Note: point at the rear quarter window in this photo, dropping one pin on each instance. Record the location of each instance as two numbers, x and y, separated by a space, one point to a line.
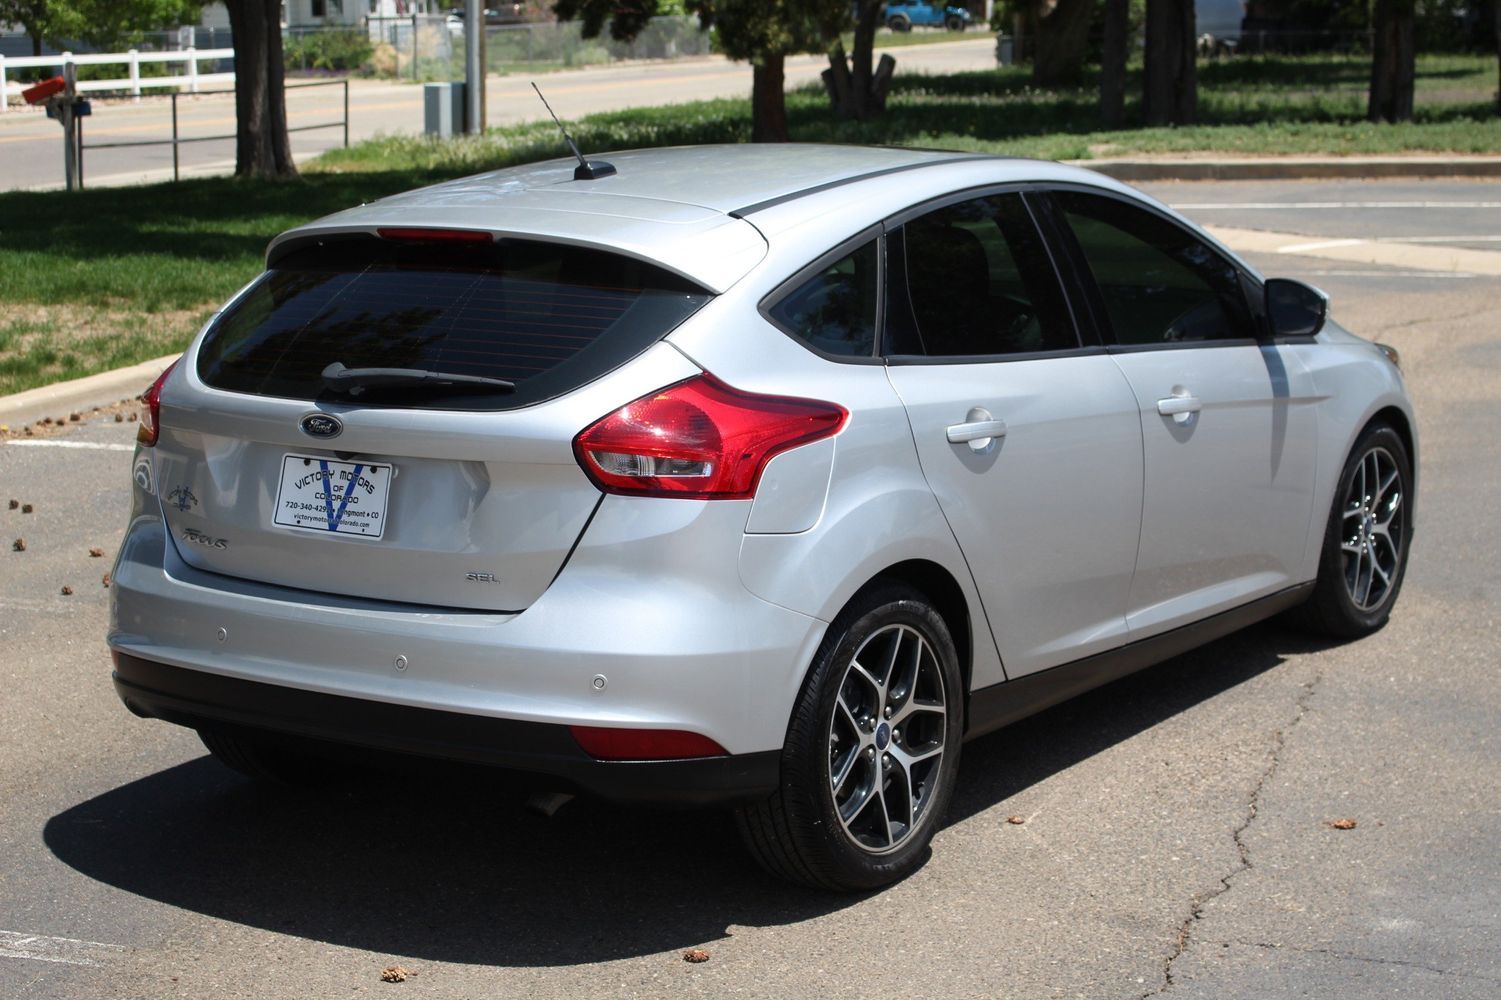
546 317
834 310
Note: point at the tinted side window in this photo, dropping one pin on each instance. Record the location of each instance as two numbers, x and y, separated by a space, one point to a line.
978 282
835 310
1160 283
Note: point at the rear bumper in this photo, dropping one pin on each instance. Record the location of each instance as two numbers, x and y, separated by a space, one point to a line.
636 633
195 698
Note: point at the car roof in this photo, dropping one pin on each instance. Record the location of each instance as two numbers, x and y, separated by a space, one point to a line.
724 178
684 208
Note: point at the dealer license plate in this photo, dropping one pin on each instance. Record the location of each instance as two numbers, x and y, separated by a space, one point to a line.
347 498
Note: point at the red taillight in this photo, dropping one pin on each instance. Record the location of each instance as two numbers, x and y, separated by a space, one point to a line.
436 235
644 744
699 439
151 409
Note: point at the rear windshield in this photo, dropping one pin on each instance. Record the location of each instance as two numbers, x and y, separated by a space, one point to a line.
548 318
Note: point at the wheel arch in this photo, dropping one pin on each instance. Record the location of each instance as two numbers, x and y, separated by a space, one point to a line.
947 597
1400 422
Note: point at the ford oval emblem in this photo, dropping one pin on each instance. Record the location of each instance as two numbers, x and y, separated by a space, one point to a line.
321 425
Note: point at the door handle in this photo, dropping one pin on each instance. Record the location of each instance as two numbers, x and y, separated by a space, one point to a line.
1181 406
979 430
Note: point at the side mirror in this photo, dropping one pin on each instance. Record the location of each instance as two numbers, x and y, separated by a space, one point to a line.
1294 309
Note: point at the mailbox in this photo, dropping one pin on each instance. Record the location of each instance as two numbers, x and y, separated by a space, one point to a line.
60 98
41 91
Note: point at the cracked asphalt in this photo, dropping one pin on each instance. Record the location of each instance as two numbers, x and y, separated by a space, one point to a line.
1177 835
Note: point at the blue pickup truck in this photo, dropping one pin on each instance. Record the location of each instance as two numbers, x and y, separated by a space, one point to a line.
902 15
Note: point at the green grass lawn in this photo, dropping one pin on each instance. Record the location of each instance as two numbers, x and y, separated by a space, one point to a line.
1266 105
108 277
105 277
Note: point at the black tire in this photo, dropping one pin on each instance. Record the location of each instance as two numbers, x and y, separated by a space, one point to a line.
899 24
805 832
954 23
269 758
1349 601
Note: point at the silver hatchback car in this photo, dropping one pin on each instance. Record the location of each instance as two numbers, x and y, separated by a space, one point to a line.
755 475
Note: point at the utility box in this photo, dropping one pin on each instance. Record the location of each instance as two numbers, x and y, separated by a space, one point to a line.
1005 49
443 109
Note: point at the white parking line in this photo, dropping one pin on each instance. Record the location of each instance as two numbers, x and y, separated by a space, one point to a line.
82 445
1321 245
68 951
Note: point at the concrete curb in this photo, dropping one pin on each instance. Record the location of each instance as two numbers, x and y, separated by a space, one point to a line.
64 398
1290 168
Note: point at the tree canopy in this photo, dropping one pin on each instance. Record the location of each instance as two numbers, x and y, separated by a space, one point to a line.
104 24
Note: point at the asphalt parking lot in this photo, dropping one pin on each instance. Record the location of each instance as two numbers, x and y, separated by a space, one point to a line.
1176 828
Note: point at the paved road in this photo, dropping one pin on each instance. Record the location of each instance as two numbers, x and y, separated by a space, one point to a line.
1175 837
31 146
1456 213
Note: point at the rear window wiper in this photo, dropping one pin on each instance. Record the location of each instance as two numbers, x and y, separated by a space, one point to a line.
353 381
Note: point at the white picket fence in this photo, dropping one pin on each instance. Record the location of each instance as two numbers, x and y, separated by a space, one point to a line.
133 82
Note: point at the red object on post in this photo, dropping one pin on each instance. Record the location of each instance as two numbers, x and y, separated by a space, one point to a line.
40 92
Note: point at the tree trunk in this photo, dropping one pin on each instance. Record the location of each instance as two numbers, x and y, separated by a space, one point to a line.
768 100
1062 41
851 81
1496 7
836 82
1113 64
1393 61
261 145
862 58
1171 95
36 44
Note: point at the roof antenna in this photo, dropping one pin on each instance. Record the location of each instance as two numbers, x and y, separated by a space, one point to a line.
587 170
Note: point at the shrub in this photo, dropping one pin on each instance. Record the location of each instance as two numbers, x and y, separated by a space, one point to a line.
336 49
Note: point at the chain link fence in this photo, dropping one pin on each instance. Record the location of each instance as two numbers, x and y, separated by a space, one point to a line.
431 47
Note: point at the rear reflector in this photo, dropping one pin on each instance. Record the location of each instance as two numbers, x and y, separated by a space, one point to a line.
644 744
436 235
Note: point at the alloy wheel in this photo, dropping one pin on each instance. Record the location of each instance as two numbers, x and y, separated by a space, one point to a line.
887 738
1372 529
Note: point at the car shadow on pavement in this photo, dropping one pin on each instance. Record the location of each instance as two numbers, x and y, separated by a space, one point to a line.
449 865
436 864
